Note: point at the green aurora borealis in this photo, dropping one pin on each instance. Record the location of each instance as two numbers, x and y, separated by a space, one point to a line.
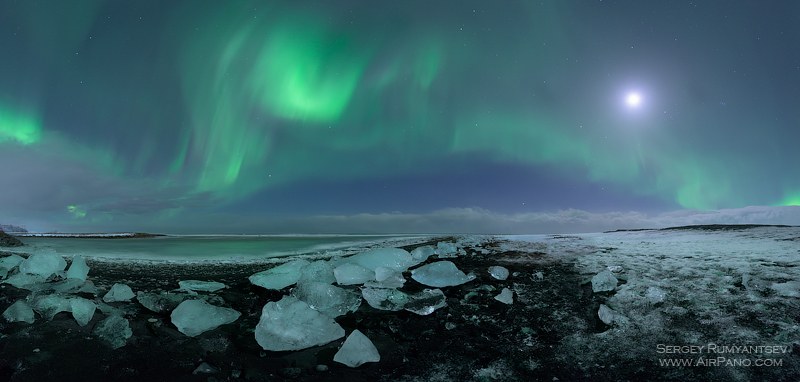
149 111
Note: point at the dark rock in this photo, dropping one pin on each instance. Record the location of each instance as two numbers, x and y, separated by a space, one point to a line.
7 240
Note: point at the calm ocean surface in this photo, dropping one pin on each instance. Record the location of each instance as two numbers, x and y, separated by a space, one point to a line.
204 247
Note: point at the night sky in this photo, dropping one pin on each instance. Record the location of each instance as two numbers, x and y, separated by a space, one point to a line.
397 116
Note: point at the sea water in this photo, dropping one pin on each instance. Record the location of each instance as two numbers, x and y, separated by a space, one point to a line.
207 248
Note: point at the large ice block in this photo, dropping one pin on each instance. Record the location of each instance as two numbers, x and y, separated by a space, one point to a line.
357 350
440 274
193 317
290 324
281 276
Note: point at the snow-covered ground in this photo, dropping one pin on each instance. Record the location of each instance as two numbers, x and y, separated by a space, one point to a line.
688 287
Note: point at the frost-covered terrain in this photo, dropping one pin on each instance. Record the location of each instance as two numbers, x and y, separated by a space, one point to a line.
612 306
693 286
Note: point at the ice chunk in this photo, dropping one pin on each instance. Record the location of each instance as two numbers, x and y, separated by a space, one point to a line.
64 286
88 287
426 302
19 311
320 271
604 281
43 264
119 292
393 258
281 276
445 249
787 289
82 310
201 286
193 317
421 254
160 302
78 269
385 299
387 278
290 324
327 299
114 330
357 350
8 263
205 368
498 272
655 295
440 274
615 268
609 316
50 305
352 274
506 296
606 314
25 281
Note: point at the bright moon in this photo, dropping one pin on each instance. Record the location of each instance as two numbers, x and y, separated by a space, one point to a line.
633 99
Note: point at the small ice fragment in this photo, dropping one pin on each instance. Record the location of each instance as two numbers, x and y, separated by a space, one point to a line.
426 302
19 311
114 330
352 274
43 264
357 350
506 296
614 268
786 289
498 272
281 276
609 316
78 269
290 324
385 299
200 286
82 310
328 299
119 292
65 286
606 314
604 282
655 295
387 278
87 287
193 317
420 254
440 274
205 368
160 302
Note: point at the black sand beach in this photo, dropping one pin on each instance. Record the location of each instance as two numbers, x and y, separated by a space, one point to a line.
474 337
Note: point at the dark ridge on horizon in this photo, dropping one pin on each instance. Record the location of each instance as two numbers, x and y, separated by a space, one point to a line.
631 230
704 227
723 227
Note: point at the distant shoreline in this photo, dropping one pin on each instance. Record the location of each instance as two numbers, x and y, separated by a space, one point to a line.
121 235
